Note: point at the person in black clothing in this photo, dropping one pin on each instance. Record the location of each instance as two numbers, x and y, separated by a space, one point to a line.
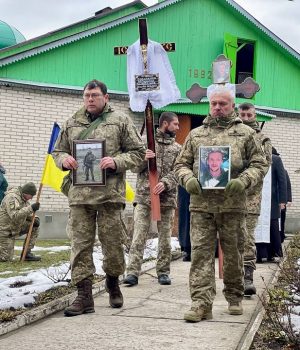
273 250
283 211
184 223
3 183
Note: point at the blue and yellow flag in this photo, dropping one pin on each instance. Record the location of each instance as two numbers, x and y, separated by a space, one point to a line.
52 175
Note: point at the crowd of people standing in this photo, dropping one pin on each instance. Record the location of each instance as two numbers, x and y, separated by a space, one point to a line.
225 207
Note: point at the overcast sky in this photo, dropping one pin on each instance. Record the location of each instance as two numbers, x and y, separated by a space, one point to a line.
36 17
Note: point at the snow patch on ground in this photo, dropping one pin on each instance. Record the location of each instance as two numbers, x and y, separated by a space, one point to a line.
43 279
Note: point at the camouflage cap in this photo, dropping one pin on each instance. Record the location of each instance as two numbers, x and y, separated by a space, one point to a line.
29 188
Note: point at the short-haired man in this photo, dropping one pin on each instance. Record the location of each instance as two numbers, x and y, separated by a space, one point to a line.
15 220
103 205
217 210
248 115
166 151
214 175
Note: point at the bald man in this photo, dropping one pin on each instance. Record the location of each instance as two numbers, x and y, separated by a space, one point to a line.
219 210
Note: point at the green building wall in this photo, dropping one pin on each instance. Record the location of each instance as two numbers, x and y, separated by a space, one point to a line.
198 29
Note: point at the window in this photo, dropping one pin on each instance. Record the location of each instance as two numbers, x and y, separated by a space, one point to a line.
244 61
241 53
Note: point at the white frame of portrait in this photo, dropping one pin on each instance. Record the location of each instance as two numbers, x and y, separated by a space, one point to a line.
79 149
203 154
218 76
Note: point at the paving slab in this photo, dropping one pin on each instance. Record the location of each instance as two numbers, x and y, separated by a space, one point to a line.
151 318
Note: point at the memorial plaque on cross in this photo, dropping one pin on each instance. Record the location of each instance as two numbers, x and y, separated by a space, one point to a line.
147 82
221 75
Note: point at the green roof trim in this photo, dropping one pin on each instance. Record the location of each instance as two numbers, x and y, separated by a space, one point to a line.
203 108
186 108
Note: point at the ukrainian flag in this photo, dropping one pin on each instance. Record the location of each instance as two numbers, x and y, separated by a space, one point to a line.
52 175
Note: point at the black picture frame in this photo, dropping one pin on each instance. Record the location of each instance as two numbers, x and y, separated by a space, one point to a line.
88 154
214 160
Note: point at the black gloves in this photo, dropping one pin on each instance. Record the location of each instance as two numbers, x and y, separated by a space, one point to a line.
36 222
35 206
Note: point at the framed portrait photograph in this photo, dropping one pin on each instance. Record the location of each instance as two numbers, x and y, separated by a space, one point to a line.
221 71
214 166
88 154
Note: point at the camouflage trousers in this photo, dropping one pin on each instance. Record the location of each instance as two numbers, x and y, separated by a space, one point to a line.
7 241
250 248
142 221
112 235
204 228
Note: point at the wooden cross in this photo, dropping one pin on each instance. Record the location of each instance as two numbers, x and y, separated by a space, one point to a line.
247 88
148 82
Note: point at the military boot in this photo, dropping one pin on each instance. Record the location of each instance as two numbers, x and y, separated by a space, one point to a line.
248 281
196 314
84 302
235 308
31 257
113 289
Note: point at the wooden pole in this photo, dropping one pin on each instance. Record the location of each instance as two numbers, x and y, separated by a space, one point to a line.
28 236
153 174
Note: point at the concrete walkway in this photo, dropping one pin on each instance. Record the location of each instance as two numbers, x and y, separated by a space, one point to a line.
152 318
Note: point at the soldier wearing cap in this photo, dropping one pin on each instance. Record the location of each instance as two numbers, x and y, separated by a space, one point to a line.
218 210
15 219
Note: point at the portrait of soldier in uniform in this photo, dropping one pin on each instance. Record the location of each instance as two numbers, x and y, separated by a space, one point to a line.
214 167
88 163
89 153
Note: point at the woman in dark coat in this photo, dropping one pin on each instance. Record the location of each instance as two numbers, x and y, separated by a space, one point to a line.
278 199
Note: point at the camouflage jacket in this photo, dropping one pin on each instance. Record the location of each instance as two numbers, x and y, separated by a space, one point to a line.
166 151
122 143
254 194
14 211
248 163
89 159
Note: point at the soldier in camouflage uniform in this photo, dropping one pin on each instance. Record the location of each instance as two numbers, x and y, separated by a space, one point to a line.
15 219
166 151
88 163
247 114
217 210
103 205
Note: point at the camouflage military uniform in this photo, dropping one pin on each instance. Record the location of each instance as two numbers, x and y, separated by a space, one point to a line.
100 205
254 199
213 210
88 163
15 219
166 150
